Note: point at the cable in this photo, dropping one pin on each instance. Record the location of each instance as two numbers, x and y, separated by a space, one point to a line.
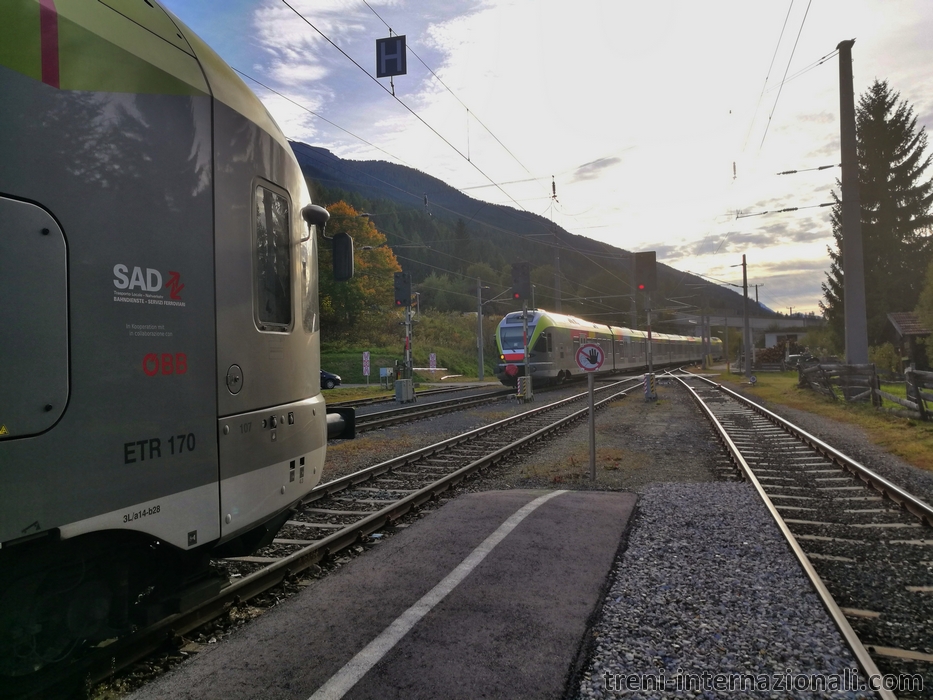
397 99
807 170
807 69
768 75
454 95
739 215
784 79
322 118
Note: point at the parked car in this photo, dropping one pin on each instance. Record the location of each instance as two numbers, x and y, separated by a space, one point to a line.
329 380
794 360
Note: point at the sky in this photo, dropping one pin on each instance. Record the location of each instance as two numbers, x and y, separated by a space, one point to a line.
663 125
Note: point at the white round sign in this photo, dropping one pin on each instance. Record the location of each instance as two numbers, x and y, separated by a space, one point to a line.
590 357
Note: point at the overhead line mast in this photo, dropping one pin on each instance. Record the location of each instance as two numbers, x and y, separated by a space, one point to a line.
853 264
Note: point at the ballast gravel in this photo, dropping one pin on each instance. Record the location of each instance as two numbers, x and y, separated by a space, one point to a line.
708 601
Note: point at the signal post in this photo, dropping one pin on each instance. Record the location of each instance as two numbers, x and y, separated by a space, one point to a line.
590 358
521 290
646 280
404 389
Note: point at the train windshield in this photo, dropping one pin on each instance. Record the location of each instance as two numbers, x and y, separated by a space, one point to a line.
513 338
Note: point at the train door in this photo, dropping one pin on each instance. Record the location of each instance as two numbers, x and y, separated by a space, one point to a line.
542 356
271 416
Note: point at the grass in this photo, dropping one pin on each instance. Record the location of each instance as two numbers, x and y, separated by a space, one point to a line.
353 393
909 439
576 467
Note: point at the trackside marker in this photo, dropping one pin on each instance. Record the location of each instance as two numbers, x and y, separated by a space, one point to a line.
341 682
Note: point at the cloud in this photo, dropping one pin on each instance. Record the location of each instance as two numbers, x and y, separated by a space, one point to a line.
593 169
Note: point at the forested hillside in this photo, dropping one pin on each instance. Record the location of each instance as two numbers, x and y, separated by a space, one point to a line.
448 241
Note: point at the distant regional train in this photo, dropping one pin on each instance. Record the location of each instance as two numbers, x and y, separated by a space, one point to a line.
160 396
554 338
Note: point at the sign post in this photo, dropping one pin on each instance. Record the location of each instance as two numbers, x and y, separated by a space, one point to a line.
590 357
366 366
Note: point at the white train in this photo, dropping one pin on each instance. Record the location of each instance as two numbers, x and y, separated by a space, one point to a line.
554 338
160 397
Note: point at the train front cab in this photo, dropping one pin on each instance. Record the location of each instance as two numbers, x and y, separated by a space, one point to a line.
166 371
543 351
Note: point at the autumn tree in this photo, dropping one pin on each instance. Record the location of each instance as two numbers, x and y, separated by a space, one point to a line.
345 303
895 200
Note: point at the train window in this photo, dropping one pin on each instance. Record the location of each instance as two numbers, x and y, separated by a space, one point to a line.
543 343
513 338
273 262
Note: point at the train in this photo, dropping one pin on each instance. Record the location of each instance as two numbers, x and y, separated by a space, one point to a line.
554 338
160 397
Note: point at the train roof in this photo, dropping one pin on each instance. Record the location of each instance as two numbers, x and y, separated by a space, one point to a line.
122 46
565 321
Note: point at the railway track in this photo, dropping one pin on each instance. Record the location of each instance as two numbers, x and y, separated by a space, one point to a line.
382 419
343 512
866 544
390 398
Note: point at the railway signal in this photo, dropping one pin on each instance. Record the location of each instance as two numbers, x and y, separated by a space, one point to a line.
521 281
646 271
403 289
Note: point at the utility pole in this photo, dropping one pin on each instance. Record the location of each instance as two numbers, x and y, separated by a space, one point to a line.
756 286
747 338
725 322
650 353
634 307
528 394
408 353
479 326
853 264
556 249
557 275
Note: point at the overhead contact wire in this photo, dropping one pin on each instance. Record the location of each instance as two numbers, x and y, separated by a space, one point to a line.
409 109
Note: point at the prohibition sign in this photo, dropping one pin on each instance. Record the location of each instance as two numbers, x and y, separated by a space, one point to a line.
590 357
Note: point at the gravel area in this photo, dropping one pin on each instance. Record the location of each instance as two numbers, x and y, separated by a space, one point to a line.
708 596
704 584
637 443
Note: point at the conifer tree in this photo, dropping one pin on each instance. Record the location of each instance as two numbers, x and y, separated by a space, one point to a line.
895 200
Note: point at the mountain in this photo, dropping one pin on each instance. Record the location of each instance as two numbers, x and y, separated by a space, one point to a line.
447 239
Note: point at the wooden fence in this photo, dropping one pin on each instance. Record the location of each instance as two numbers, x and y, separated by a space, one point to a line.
860 383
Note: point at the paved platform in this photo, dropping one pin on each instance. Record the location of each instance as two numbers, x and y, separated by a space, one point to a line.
489 597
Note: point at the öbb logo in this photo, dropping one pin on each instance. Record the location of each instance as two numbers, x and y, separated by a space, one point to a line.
166 363
150 282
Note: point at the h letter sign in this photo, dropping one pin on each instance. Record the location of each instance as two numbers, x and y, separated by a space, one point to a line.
390 57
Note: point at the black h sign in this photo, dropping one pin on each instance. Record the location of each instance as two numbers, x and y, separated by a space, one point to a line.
646 271
390 57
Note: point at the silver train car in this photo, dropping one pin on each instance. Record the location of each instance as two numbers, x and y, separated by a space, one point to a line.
159 364
554 338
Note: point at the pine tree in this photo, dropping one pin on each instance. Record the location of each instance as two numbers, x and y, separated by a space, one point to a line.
895 212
